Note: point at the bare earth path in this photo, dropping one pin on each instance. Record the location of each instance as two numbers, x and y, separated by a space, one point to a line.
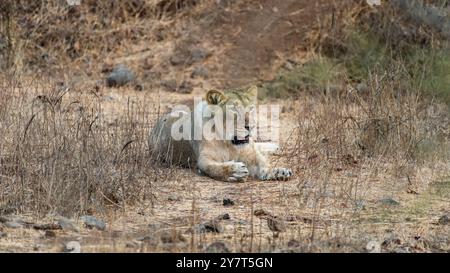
260 39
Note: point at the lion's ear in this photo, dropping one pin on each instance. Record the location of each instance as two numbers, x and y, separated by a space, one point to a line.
215 97
252 91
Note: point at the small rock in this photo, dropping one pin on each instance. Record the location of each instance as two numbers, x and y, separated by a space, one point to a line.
444 220
152 76
8 210
211 226
373 247
294 244
185 87
67 224
72 247
131 245
14 222
275 224
225 3
138 87
391 241
328 194
170 85
294 218
13 225
92 222
37 247
261 213
46 226
49 234
373 2
3 235
402 250
173 198
145 238
168 237
228 202
200 72
199 54
288 66
307 220
242 222
147 64
224 216
360 205
107 68
149 240
45 56
217 247
389 202
120 76
177 59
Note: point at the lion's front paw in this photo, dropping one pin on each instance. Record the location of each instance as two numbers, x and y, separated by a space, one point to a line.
283 174
239 172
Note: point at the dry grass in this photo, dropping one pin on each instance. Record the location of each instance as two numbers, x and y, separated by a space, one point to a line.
61 153
44 35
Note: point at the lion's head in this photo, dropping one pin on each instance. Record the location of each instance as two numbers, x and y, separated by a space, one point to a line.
238 106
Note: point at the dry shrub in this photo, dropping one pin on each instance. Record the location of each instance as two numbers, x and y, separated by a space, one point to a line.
348 150
383 121
393 123
398 24
54 34
402 24
7 38
412 35
61 152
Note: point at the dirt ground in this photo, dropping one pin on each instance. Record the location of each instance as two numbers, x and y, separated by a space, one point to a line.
350 205
259 40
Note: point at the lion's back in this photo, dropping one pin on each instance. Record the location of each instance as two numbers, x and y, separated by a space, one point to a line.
165 148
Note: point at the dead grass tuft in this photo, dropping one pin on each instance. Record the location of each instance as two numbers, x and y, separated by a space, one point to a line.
62 153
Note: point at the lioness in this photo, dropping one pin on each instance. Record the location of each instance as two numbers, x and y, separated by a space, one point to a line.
231 160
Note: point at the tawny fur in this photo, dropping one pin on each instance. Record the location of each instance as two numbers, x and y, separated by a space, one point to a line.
219 159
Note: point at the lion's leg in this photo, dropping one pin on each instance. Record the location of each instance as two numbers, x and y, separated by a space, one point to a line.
230 171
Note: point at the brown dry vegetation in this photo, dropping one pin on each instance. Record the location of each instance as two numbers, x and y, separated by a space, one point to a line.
369 151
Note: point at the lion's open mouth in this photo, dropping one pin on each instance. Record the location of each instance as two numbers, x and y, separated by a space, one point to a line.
237 141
